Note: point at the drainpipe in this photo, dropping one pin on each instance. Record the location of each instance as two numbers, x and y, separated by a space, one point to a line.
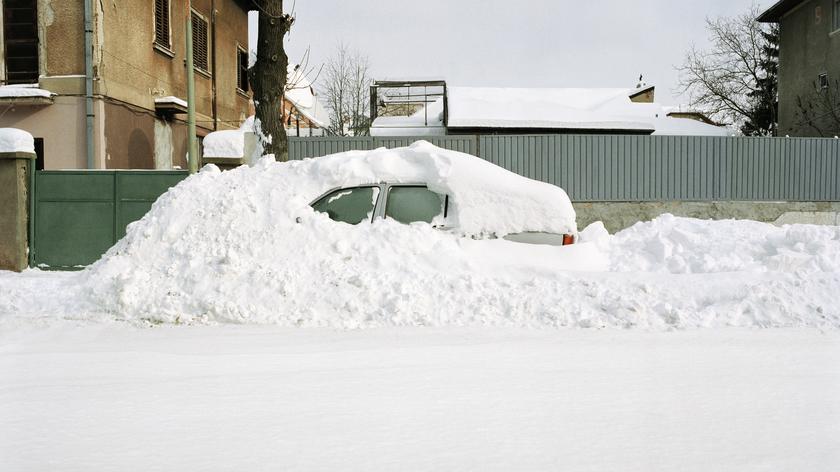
89 83
213 64
192 149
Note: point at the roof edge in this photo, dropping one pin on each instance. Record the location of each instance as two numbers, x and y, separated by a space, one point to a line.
778 10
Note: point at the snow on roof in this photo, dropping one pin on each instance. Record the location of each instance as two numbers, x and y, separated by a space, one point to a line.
23 90
604 109
300 93
16 140
420 123
557 108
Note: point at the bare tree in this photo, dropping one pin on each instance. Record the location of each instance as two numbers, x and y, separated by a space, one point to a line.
268 77
346 87
820 110
723 80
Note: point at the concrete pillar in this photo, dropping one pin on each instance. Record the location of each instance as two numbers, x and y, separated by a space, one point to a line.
15 169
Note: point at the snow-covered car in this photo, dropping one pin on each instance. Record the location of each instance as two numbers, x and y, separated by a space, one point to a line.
412 203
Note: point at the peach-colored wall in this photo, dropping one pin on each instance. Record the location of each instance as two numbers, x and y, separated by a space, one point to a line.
62 125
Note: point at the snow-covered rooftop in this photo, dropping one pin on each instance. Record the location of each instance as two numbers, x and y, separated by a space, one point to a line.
601 109
566 108
300 93
423 122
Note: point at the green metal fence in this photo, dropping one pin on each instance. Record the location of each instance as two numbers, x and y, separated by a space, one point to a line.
78 215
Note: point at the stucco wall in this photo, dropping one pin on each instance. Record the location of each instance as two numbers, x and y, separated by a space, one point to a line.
62 33
132 70
62 125
808 49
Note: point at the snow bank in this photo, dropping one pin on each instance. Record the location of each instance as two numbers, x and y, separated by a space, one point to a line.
684 245
243 246
16 140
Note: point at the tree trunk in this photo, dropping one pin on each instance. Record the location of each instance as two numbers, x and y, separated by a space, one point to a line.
268 77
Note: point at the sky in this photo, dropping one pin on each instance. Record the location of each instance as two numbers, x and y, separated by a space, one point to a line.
526 43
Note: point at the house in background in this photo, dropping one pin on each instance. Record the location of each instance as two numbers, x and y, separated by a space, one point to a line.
137 64
305 115
491 110
809 65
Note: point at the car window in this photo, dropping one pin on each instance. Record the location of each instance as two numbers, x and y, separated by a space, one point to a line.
410 204
349 205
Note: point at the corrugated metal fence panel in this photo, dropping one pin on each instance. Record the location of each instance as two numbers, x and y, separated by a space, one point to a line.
301 148
80 214
667 168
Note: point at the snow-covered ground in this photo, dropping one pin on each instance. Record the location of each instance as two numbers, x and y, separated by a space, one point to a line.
117 397
233 328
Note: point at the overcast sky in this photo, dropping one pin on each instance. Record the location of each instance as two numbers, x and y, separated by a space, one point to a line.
525 43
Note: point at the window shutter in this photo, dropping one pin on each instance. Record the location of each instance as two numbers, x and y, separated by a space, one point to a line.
162 23
200 46
242 70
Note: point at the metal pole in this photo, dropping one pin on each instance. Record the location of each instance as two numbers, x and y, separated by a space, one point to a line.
192 142
89 84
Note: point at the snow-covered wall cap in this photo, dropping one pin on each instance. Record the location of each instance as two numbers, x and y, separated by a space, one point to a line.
227 143
24 91
16 140
484 198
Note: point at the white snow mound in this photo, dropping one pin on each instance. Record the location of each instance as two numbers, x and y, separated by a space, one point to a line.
16 140
244 246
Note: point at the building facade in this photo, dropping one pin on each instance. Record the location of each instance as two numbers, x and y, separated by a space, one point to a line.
138 71
809 66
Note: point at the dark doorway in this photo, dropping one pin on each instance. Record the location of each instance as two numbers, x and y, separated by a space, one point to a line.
20 32
39 152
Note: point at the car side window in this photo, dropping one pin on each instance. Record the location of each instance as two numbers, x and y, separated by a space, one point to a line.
349 205
408 204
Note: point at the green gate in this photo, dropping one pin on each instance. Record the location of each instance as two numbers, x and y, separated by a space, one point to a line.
80 214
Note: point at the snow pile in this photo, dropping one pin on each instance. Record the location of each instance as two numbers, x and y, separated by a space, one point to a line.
16 140
226 143
684 245
244 246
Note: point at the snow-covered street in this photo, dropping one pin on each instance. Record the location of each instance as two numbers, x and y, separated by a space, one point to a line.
236 328
116 397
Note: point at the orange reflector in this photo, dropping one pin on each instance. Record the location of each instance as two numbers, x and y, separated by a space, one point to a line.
568 239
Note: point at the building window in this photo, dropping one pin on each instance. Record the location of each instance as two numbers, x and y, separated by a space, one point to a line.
241 70
200 44
823 81
20 35
162 31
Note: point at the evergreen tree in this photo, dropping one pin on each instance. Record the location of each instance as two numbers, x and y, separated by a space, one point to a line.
763 109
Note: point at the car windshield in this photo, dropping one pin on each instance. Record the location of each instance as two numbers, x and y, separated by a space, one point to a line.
350 205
